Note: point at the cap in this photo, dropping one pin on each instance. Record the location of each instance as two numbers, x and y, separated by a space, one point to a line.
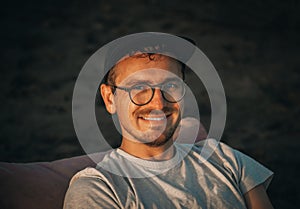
177 47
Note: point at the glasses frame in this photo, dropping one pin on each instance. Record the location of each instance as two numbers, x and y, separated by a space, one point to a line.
153 87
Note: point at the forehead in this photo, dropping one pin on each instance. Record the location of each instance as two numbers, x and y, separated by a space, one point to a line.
153 68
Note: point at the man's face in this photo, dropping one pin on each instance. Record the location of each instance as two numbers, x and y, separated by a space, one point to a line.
155 122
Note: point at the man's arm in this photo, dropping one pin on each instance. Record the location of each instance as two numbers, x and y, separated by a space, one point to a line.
257 198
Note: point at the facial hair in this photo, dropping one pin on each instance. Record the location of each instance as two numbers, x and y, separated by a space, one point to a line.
166 134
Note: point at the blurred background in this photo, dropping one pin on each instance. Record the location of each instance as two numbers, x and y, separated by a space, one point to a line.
254 46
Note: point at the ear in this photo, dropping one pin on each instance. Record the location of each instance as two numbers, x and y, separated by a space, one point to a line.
108 98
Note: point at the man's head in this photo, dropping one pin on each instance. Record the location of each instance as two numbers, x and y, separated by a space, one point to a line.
145 91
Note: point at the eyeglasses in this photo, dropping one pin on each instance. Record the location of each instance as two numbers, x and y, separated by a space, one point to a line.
141 94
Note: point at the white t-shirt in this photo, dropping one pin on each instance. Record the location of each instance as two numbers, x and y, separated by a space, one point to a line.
185 181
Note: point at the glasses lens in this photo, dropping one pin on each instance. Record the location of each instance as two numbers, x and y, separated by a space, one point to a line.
141 94
173 91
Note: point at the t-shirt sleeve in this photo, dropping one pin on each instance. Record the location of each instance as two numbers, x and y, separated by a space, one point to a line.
251 173
245 171
89 193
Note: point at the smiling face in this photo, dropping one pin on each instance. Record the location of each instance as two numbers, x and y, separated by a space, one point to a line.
155 122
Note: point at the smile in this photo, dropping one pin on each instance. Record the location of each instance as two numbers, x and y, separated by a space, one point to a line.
154 119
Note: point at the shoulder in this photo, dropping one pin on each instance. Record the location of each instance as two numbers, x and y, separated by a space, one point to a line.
212 153
98 173
101 175
88 172
210 149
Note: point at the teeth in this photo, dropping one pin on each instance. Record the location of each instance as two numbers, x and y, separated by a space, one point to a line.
156 119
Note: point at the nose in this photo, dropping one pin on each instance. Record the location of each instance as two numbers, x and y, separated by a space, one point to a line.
157 102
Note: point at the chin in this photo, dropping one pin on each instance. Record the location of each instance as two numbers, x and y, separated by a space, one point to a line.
161 140
158 142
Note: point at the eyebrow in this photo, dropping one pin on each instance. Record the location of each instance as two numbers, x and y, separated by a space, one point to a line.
139 81
136 81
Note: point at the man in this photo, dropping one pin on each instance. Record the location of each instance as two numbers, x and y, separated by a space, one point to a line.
146 91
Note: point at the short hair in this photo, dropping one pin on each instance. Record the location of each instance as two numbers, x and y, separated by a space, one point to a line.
110 76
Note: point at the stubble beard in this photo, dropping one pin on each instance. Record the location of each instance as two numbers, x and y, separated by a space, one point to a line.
165 136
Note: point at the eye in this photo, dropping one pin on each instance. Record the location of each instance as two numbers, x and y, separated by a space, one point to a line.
171 85
139 87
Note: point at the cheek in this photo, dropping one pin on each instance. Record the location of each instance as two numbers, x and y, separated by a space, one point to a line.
125 108
180 106
122 100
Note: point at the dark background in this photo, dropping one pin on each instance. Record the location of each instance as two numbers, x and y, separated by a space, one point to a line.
254 45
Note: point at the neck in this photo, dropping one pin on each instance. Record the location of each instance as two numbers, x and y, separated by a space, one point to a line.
148 152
